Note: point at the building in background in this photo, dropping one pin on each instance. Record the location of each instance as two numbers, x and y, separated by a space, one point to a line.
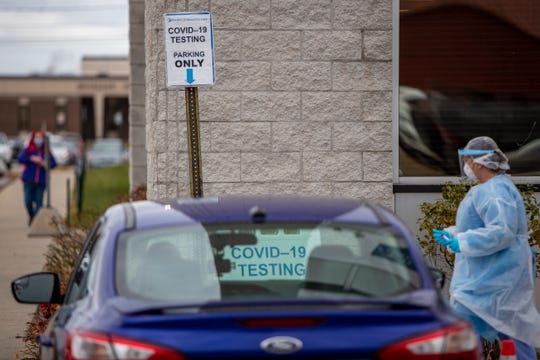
95 104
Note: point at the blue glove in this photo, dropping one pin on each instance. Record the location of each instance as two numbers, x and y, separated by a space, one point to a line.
453 244
442 236
445 239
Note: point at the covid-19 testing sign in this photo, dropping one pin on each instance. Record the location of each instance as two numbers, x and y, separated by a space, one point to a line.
189 49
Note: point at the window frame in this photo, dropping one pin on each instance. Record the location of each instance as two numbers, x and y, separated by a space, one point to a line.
417 180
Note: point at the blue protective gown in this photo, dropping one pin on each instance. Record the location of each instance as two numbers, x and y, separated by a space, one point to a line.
493 274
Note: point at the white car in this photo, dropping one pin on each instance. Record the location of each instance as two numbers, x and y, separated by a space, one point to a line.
106 152
6 152
3 168
60 150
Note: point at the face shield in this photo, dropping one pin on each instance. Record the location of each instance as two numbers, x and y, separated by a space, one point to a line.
466 156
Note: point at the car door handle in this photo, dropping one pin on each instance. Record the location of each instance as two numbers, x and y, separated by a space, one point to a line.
45 341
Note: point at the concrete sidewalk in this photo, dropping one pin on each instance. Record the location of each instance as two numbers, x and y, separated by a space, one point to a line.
20 254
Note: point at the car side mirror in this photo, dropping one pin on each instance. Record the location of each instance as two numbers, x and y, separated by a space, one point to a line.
438 277
37 288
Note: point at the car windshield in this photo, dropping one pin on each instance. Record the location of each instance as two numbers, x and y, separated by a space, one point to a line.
265 261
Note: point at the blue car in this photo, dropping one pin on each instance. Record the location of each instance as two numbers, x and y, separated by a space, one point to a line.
238 277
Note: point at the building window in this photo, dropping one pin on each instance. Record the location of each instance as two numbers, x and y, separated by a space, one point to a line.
61 114
23 116
468 68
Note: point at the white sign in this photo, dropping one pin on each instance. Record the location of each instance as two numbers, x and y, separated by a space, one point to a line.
189 49
269 262
273 258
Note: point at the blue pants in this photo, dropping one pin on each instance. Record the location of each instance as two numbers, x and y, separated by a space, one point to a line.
33 198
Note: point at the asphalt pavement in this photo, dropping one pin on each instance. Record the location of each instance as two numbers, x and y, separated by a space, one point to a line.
21 254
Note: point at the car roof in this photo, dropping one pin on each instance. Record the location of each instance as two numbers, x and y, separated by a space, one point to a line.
271 208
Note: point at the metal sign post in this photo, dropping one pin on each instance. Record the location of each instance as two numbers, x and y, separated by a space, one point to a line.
194 145
189 55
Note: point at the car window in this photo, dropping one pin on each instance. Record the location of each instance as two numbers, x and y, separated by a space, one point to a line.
451 93
268 261
107 145
81 277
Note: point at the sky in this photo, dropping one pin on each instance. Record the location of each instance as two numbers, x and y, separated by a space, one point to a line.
49 37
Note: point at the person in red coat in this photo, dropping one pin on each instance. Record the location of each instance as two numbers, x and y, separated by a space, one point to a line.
34 174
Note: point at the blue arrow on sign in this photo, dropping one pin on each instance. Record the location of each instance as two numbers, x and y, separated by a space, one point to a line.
189 76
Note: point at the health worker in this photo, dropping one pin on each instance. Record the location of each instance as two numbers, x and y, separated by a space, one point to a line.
494 269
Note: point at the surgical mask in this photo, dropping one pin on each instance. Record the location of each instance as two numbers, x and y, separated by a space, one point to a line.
469 173
38 142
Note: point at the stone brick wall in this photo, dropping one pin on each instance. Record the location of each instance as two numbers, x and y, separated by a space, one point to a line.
302 102
137 114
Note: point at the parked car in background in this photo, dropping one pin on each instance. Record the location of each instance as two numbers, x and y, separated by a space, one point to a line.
3 168
6 152
74 142
76 148
106 152
61 150
434 124
249 278
17 144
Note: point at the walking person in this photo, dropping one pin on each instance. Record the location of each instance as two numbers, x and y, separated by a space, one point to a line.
494 269
34 173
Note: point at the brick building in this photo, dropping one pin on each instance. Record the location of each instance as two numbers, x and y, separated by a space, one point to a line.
94 104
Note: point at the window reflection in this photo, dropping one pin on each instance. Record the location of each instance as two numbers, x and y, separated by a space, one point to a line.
468 68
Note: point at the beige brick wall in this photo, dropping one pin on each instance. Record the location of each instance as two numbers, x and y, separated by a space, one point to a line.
302 102
137 112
